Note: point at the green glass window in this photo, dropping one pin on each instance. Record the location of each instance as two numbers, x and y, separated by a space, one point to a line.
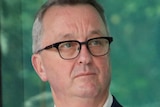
135 53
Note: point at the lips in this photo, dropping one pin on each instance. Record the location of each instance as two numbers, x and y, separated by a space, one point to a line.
84 71
85 75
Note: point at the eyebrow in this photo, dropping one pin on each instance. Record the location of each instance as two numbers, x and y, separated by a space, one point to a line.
98 32
67 36
70 36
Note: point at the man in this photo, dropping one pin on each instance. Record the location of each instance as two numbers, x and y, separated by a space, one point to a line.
71 52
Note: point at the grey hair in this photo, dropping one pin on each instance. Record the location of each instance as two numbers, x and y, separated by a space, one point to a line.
36 35
38 26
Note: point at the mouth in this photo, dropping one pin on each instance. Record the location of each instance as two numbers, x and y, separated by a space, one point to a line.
85 75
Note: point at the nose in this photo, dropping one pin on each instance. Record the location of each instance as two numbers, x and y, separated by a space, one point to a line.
84 56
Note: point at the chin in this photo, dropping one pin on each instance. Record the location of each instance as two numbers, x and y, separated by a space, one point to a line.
89 90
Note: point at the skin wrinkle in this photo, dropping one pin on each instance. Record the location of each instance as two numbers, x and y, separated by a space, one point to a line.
75 28
60 73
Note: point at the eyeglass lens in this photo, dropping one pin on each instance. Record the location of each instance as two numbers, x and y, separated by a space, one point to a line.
71 49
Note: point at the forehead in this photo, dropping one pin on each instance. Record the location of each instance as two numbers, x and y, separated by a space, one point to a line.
57 10
69 17
71 11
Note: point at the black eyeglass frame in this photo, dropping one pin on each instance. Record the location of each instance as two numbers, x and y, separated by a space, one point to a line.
56 45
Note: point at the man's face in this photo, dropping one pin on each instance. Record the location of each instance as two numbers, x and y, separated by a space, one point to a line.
86 75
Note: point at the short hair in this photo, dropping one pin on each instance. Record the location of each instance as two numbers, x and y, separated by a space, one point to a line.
38 25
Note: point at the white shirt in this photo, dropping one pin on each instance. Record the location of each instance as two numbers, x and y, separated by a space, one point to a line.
108 102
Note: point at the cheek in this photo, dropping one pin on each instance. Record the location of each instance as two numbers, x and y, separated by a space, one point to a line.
58 72
103 63
104 69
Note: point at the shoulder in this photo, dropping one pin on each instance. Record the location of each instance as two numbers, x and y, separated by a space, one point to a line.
116 103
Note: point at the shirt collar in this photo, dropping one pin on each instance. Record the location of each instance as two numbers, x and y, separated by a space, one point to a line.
108 102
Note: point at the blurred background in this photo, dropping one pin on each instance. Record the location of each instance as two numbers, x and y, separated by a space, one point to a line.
135 53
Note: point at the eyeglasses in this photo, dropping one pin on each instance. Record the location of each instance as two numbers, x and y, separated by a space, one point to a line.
70 49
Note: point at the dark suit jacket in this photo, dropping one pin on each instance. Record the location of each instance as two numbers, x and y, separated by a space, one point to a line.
115 103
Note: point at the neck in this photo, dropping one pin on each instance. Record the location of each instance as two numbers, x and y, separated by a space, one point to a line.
97 101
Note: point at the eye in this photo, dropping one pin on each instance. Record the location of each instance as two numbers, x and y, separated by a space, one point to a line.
95 42
68 45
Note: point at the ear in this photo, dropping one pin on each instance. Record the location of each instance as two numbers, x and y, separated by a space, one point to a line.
38 66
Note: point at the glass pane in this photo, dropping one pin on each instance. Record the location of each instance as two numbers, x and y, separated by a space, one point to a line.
11 43
135 53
